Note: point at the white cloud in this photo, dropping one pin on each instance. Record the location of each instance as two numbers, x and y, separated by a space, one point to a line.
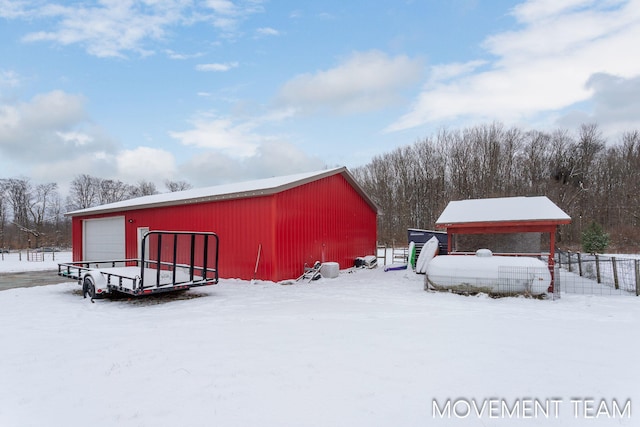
31 130
445 72
78 139
50 138
107 30
540 68
272 158
150 164
366 81
223 7
115 28
182 56
11 9
267 31
231 149
9 78
542 9
217 66
236 140
615 106
228 14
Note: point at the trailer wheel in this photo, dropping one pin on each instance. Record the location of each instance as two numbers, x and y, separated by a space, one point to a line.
88 287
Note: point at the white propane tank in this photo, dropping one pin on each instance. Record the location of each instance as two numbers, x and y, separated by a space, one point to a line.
485 272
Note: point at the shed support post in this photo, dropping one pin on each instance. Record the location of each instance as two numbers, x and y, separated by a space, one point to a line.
552 245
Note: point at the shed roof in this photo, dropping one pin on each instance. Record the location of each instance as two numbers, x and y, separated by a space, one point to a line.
502 210
261 187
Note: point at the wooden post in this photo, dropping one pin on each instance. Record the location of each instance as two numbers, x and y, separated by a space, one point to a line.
615 272
569 260
637 265
598 268
550 262
580 264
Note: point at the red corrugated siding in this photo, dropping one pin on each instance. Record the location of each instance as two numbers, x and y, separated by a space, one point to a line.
325 220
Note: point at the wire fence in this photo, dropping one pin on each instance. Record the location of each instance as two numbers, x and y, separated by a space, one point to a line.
598 274
574 273
500 281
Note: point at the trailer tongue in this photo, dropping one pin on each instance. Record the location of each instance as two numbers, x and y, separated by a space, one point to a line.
170 261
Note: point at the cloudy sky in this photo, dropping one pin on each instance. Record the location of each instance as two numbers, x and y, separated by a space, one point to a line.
217 91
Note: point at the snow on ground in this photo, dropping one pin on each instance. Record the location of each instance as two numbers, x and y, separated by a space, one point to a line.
370 348
18 261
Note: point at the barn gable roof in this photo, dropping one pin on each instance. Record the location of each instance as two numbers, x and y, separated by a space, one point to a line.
502 210
261 187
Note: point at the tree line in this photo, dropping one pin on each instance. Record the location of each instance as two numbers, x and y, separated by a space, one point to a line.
32 216
593 180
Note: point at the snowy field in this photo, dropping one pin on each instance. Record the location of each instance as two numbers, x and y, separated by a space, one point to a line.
18 262
368 348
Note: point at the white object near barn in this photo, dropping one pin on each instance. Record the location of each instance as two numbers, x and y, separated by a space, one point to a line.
484 272
330 270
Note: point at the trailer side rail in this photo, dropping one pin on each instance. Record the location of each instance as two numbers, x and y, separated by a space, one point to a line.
175 260
77 270
198 244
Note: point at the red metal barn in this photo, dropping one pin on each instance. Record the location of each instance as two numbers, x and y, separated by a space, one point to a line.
291 220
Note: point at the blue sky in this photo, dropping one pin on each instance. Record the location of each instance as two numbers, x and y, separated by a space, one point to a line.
219 91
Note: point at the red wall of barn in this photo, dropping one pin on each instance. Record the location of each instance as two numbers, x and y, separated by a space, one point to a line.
325 220
239 224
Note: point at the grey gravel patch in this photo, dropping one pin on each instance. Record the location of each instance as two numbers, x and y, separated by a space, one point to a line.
146 300
29 279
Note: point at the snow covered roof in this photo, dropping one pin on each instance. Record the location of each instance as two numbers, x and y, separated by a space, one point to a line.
503 209
261 187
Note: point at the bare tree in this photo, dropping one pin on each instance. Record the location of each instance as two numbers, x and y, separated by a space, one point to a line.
83 192
110 191
534 163
3 214
144 188
19 193
174 186
43 200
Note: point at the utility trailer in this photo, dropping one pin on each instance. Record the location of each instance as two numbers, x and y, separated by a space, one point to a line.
170 261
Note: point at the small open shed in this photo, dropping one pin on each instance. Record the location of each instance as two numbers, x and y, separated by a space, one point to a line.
501 216
268 228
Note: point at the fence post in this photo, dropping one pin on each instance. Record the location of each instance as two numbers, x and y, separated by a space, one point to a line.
569 260
615 272
598 268
580 263
637 265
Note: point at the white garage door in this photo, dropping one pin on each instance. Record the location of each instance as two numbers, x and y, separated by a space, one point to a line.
103 239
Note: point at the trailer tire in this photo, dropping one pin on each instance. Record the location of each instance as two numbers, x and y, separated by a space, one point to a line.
88 287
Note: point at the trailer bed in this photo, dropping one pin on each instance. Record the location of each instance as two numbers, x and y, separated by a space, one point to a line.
162 273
